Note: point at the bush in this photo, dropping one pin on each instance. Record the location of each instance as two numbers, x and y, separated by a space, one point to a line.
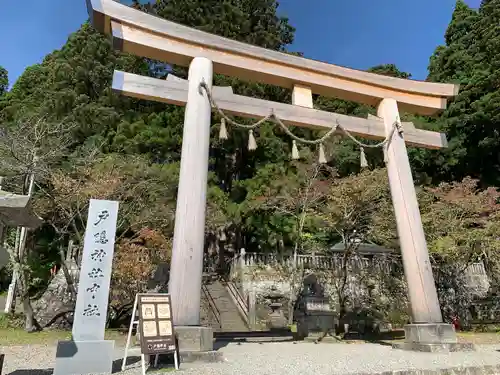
11 320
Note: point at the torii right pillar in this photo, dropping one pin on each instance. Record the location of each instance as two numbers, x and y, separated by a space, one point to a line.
427 332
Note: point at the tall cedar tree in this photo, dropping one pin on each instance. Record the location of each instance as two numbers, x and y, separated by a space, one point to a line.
471 57
4 81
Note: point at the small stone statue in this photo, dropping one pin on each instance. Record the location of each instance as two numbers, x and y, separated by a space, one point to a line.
311 287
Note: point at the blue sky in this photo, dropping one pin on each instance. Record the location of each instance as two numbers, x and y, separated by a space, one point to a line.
355 33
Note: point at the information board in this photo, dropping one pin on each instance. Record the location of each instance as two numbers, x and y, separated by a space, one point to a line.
155 323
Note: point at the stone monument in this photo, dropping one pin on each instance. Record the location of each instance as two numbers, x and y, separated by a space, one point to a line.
88 352
315 319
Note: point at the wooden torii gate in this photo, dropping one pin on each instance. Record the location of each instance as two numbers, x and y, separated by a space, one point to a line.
148 36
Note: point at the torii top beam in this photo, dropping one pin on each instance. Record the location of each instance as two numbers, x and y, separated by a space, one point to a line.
174 90
145 35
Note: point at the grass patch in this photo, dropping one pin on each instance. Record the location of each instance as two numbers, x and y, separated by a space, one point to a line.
11 321
17 336
12 335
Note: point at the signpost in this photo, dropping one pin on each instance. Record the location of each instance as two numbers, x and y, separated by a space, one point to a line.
154 311
88 352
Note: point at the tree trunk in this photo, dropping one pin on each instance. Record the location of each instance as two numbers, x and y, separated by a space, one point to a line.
30 325
67 275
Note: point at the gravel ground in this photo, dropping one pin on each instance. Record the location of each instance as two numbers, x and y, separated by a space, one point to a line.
283 358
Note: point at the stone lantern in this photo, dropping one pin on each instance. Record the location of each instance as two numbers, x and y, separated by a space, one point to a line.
314 316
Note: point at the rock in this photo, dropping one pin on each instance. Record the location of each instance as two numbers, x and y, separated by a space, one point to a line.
56 306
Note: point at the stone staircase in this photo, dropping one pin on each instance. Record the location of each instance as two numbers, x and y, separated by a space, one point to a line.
229 317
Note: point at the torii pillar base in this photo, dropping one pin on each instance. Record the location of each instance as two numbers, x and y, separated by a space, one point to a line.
196 344
432 338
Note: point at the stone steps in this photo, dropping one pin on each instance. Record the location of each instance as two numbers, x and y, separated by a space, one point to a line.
230 319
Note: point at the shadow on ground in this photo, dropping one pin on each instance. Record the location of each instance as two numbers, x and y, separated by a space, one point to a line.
383 338
222 339
117 367
47 371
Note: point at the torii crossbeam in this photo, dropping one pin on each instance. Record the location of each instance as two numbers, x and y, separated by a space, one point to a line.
145 35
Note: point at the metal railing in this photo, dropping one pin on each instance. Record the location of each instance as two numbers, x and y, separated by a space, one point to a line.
238 299
211 305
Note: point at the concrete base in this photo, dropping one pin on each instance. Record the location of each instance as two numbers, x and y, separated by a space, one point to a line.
432 337
194 339
84 357
196 344
434 333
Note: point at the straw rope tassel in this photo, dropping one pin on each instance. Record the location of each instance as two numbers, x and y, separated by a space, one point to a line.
295 151
223 130
252 144
362 158
321 156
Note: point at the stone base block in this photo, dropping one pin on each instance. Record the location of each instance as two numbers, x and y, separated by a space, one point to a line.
435 348
433 338
195 339
84 357
430 333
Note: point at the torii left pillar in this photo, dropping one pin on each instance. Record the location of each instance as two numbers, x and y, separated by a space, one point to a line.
187 256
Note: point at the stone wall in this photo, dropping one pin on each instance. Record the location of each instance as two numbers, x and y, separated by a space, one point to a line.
375 284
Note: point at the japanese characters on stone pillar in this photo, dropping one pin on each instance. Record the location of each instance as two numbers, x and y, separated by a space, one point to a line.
95 274
88 352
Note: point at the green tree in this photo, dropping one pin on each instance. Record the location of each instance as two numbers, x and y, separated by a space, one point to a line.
344 154
251 21
74 84
4 80
470 58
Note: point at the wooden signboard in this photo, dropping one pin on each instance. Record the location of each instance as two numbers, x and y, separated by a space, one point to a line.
155 323
154 312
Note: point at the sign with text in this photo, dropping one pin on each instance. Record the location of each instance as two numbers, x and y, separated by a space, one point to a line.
155 323
95 273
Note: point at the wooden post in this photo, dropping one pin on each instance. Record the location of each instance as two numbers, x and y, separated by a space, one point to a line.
252 308
302 95
187 255
10 302
242 265
422 290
